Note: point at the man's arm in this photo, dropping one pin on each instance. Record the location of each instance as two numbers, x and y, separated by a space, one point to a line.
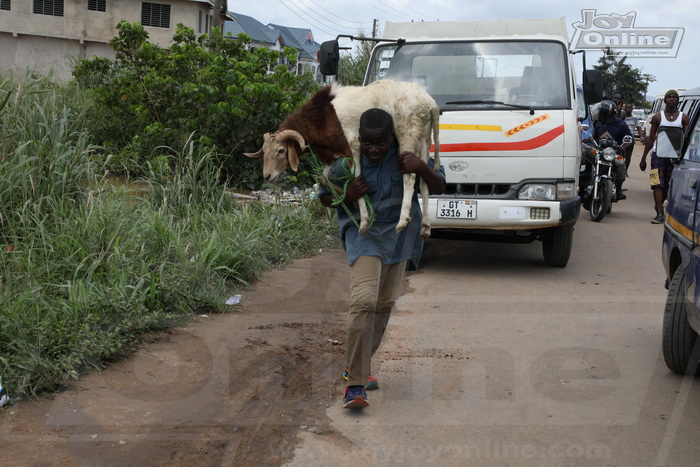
355 190
410 163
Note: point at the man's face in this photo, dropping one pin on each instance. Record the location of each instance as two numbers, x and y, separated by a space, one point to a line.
617 99
375 143
628 109
671 100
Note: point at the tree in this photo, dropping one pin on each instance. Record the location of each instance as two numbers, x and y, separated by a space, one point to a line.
620 76
351 69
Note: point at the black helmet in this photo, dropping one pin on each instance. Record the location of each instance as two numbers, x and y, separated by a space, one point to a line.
603 110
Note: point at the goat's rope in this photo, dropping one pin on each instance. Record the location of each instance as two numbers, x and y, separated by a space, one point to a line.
338 193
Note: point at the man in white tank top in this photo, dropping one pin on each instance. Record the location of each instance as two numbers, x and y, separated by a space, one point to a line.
661 168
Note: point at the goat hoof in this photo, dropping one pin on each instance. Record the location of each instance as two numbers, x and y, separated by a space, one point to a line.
363 230
425 233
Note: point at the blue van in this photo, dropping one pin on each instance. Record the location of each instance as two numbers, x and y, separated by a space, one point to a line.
583 116
681 257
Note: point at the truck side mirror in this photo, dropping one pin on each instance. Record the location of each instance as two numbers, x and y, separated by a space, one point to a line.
592 86
329 56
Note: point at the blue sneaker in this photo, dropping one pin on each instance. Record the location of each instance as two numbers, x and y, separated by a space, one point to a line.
372 381
355 398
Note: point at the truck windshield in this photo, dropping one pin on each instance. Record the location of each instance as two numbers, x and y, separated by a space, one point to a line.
495 75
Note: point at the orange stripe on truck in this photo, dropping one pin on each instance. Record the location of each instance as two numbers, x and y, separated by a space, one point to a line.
533 143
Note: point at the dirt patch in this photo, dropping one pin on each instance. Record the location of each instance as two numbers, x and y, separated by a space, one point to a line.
231 389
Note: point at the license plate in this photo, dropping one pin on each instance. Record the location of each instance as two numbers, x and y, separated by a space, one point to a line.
456 209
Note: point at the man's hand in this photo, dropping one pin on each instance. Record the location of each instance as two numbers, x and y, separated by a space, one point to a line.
409 163
356 189
643 164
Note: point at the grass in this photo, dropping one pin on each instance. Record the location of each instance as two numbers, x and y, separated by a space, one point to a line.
87 268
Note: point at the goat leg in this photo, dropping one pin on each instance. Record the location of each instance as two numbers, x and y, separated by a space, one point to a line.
425 227
409 181
362 206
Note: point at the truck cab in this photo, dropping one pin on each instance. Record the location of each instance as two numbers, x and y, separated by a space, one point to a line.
510 133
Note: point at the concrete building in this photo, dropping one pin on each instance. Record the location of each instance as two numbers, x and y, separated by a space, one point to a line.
47 36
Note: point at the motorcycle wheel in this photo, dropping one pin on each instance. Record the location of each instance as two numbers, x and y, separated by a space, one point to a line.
601 204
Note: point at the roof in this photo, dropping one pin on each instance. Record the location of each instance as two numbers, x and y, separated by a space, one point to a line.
248 25
300 38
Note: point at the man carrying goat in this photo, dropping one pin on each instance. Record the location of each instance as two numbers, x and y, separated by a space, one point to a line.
377 259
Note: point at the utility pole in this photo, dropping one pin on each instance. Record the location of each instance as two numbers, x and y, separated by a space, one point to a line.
374 28
216 20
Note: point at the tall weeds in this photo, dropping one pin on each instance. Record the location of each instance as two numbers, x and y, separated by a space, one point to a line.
86 268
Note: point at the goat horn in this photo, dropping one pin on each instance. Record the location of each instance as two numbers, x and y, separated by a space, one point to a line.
283 135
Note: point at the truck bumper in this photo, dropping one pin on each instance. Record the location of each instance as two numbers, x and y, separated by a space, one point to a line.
510 215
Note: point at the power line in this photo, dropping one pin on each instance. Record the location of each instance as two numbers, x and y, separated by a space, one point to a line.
339 17
307 21
394 13
323 19
407 6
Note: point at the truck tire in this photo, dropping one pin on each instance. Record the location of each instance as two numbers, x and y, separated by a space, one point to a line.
679 338
556 245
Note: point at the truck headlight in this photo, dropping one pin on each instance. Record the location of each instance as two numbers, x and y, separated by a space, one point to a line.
538 191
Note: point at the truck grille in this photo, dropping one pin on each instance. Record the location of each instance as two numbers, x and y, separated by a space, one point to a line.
476 190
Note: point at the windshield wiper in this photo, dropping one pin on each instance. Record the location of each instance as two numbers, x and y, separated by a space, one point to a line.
513 106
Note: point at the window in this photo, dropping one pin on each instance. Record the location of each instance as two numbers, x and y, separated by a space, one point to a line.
155 15
5 4
48 7
97 5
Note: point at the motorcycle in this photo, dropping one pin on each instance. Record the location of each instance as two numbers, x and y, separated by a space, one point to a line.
603 166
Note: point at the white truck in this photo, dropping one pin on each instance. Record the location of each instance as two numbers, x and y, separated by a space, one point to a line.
510 133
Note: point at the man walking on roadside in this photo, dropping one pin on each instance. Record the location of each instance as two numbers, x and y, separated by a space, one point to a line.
661 167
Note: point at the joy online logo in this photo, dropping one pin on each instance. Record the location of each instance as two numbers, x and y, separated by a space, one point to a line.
618 32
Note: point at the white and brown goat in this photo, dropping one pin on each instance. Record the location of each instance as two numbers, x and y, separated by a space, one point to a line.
329 124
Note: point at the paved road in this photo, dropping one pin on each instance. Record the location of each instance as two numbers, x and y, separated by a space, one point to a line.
493 358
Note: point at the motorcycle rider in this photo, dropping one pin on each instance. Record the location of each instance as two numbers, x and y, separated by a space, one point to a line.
609 126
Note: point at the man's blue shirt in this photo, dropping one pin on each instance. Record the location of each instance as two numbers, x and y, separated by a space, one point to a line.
385 189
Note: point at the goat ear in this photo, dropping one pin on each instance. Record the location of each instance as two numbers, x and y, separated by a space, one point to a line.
293 157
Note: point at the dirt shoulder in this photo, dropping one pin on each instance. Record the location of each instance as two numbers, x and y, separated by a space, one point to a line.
231 389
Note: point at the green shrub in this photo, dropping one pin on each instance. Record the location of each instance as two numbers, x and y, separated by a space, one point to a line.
226 93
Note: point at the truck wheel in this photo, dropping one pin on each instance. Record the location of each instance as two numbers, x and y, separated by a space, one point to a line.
678 337
556 245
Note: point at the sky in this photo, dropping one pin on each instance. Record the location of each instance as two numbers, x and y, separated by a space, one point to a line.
328 18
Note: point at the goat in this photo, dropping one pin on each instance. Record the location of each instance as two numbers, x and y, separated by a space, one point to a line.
329 124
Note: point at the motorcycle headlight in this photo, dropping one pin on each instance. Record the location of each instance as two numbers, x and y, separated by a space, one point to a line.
538 191
609 154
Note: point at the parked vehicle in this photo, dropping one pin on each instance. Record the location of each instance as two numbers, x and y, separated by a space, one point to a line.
584 115
642 116
597 175
509 129
681 322
689 100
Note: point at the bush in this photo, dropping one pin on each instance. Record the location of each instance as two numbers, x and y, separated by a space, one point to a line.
218 87
86 268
